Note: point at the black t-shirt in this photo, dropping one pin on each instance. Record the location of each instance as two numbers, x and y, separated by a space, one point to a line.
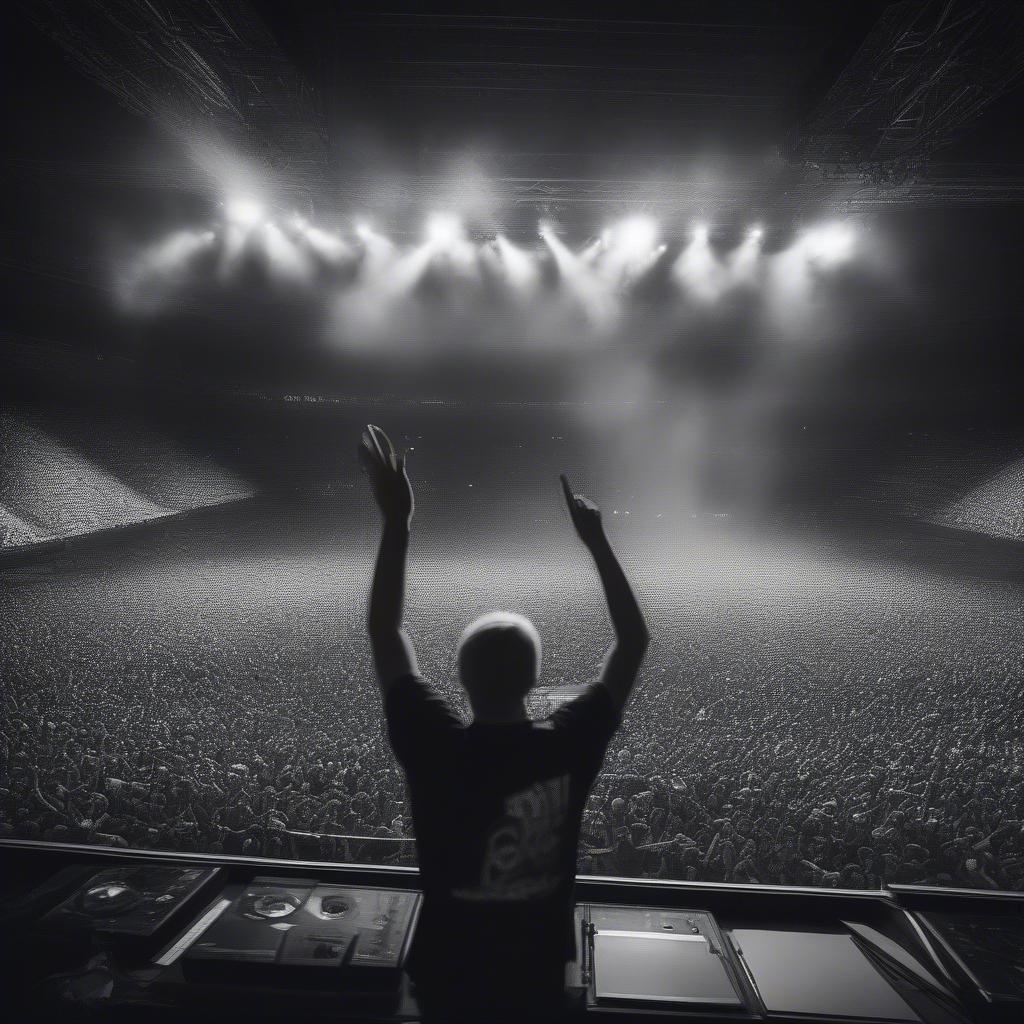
497 811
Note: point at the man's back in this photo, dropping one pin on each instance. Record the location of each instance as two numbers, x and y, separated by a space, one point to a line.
497 805
497 811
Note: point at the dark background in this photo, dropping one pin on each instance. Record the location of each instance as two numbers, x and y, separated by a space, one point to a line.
925 346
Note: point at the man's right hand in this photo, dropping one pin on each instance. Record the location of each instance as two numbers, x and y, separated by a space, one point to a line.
388 476
586 516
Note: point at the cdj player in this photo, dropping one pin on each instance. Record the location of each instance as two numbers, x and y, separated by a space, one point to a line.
278 929
133 906
657 958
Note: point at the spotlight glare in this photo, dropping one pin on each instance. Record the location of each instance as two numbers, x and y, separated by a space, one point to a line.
520 269
444 229
325 243
593 250
756 232
635 236
698 269
282 255
245 211
829 243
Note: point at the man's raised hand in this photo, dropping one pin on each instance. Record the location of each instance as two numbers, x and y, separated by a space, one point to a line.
388 478
586 516
622 662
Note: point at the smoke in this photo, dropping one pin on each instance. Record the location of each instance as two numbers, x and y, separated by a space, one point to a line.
688 355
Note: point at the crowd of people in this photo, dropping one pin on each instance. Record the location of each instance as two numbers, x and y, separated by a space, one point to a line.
856 784
221 709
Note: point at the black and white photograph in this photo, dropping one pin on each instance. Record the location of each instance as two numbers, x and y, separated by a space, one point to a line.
512 512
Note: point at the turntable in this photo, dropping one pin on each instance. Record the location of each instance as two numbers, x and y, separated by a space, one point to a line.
280 928
140 902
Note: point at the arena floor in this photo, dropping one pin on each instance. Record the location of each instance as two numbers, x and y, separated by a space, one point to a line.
804 716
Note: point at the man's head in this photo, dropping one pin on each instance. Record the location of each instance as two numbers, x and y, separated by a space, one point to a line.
499 661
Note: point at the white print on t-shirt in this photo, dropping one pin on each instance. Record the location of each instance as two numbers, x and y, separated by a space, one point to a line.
522 854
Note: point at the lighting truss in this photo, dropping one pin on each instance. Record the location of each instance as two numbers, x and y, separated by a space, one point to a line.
207 68
211 68
925 69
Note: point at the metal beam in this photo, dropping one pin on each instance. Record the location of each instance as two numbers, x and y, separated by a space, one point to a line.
208 71
927 68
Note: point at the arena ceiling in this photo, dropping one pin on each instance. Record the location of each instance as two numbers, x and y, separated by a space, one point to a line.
713 109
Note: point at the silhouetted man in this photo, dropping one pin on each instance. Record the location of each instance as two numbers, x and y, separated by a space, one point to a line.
497 803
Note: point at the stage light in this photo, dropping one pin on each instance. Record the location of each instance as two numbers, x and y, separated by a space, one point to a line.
378 251
283 256
520 269
640 265
444 229
698 270
829 244
581 281
244 211
743 262
635 236
567 261
325 244
154 274
593 250
625 252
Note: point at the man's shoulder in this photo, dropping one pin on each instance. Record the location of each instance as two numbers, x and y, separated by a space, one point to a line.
406 685
412 688
593 713
591 699
413 708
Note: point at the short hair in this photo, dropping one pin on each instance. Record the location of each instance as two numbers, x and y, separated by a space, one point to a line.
499 656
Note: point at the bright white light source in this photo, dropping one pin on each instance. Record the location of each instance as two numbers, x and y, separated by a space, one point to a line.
698 269
325 244
244 210
743 262
829 244
635 236
519 268
444 229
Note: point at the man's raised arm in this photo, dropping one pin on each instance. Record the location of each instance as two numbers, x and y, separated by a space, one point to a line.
393 653
622 662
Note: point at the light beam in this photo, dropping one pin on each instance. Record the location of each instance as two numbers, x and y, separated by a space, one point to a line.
244 211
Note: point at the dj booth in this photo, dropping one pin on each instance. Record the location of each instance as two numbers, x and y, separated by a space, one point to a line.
93 933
